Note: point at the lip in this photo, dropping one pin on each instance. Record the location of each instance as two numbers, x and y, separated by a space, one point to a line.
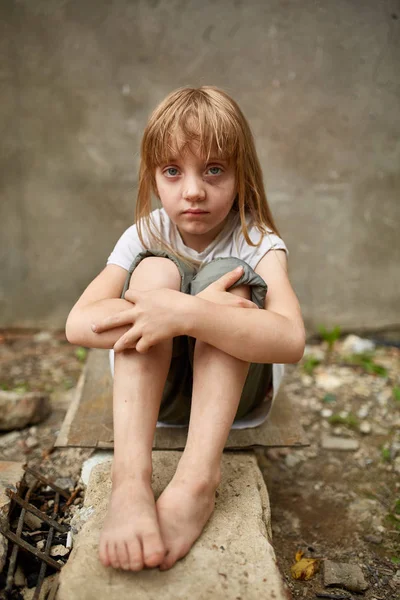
195 212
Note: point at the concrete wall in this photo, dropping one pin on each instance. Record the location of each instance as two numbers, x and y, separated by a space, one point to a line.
317 79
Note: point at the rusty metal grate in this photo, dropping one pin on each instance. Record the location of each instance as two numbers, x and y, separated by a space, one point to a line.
25 498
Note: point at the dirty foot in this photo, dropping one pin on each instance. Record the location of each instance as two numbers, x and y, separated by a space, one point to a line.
131 538
183 510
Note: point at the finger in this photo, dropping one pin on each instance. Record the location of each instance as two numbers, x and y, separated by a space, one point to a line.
227 280
128 340
124 317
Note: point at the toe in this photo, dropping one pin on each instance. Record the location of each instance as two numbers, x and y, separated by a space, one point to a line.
135 555
112 553
122 555
103 553
153 549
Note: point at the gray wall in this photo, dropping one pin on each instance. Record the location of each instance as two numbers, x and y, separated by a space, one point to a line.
318 81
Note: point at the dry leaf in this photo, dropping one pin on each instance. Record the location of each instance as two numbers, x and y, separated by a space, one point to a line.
304 568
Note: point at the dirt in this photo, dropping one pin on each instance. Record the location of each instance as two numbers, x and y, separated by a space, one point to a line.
332 504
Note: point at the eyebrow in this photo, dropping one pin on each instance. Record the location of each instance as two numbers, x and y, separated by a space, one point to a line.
211 159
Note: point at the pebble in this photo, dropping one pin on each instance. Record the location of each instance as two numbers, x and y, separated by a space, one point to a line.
326 413
373 539
356 345
365 427
42 336
396 465
59 550
292 460
363 412
327 381
339 443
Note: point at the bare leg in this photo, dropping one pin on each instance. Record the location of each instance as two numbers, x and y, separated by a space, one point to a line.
188 501
131 536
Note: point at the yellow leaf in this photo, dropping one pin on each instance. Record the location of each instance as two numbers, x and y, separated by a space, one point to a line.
299 555
305 568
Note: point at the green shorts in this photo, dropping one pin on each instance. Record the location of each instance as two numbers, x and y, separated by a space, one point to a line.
177 394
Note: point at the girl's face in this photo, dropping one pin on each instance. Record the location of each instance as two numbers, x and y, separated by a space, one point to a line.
187 184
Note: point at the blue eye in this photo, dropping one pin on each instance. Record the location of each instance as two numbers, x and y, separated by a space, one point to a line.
168 171
215 170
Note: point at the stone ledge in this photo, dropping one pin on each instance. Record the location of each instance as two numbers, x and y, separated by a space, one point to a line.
232 559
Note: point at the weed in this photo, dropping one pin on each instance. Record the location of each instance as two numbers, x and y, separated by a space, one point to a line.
396 393
330 336
4 386
21 388
349 420
68 384
81 354
386 454
366 361
395 560
309 364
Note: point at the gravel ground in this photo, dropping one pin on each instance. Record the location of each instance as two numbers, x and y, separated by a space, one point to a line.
337 499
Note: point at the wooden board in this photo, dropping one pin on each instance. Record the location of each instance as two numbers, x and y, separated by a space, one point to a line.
89 421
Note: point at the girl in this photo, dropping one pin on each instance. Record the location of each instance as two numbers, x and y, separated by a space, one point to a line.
183 303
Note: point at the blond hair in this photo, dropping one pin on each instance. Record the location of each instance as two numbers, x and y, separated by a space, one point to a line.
210 118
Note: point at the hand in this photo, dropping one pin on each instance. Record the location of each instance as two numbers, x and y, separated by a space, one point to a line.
216 291
155 316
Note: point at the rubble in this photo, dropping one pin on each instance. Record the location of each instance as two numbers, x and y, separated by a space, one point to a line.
329 442
343 575
17 410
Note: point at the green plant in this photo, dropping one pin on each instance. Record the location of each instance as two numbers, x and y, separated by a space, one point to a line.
395 560
329 336
396 393
309 364
4 386
349 420
81 354
366 362
386 455
21 388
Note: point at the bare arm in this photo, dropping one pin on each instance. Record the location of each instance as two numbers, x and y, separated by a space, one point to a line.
99 300
274 335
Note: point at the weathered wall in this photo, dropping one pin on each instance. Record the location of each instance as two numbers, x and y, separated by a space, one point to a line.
318 81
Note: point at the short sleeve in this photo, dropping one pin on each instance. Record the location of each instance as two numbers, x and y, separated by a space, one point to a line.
270 241
126 249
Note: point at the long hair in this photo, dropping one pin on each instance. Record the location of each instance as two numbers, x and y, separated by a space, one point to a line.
209 117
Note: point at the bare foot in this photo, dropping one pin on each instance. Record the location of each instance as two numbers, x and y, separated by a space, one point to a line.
183 510
131 537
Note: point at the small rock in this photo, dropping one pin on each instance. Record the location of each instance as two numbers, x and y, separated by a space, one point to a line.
373 539
31 442
59 550
396 464
292 460
40 544
9 438
343 575
42 336
328 382
326 413
365 427
338 443
356 345
19 410
32 521
363 412
65 483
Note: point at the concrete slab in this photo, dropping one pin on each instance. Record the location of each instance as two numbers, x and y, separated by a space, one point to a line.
233 558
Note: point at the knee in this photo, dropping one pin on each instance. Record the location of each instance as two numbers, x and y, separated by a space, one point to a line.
155 272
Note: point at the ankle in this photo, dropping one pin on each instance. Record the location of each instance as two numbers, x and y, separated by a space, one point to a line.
202 478
124 477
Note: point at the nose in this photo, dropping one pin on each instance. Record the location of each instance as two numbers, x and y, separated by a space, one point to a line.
193 189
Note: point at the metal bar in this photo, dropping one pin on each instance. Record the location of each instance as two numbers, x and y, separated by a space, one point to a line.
14 538
14 553
42 572
47 482
38 513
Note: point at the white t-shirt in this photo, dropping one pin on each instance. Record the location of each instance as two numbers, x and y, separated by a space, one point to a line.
230 242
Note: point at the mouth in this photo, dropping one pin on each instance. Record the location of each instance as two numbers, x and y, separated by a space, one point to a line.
195 212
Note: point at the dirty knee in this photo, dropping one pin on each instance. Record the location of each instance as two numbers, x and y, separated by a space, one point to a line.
155 272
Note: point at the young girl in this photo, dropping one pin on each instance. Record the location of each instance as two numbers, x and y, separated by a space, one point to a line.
183 303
